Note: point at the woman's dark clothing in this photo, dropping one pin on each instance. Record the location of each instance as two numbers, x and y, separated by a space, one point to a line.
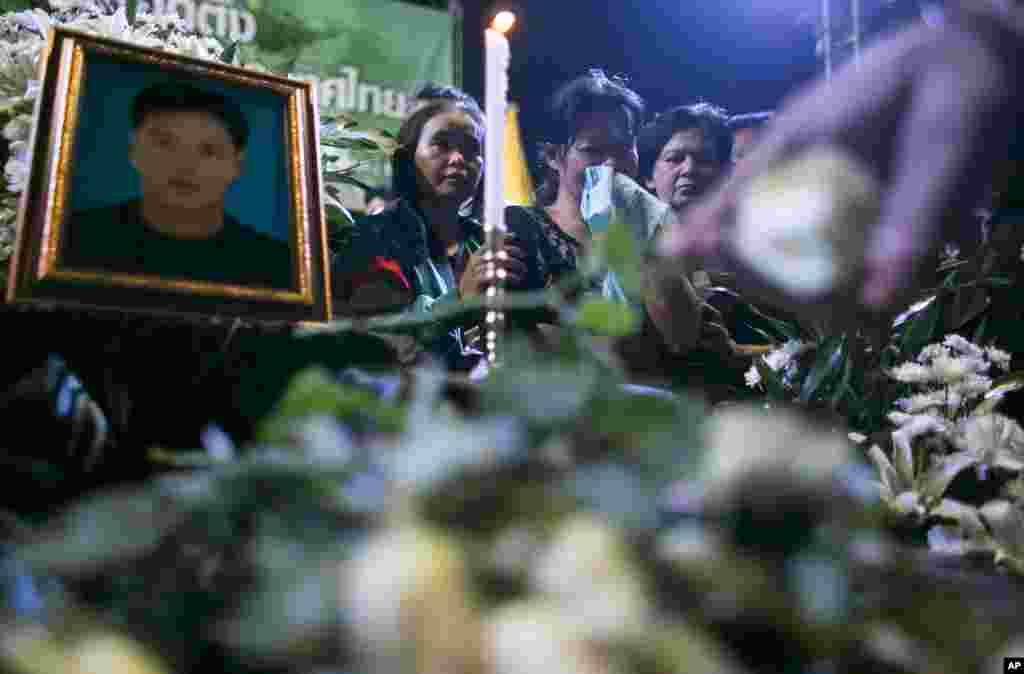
399 236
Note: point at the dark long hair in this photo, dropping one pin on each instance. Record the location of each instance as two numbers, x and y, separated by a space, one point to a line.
403 161
589 93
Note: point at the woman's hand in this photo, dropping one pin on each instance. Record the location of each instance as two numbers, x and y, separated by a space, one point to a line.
510 266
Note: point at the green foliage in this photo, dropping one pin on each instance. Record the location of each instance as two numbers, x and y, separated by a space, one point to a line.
314 392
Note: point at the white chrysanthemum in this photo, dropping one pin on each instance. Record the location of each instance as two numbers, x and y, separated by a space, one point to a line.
752 377
995 439
16 172
920 424
998 357
780 358
952 369
912 373
961 345
920 402
972 386
19 128
19 64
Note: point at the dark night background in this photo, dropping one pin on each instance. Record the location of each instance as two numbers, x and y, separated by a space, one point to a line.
672 51
745 55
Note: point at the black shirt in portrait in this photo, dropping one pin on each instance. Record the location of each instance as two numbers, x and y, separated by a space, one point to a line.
116 239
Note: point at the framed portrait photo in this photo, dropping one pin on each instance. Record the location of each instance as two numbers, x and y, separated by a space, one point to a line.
165 184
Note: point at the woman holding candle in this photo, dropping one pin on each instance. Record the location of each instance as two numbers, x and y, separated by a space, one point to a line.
421 251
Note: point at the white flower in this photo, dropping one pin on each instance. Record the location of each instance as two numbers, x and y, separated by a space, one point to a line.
995 439
922 402
958 343
752 377
16 173
18 128
953 369
998 357
912 373
972 386
920 424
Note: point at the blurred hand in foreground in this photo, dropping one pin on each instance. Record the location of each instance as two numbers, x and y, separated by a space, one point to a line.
927 112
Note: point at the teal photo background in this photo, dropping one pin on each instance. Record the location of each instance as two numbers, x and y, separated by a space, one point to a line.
102 175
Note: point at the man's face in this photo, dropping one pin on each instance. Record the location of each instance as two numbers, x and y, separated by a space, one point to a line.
603 138
185 159
685 168
742 142
449 157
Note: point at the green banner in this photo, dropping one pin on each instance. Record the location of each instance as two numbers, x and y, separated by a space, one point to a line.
366 55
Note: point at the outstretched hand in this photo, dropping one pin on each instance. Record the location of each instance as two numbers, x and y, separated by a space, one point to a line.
928 112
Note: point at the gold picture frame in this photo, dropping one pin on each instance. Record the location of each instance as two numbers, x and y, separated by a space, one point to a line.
70 251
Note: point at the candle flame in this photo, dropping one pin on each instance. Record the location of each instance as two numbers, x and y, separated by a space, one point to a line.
503 21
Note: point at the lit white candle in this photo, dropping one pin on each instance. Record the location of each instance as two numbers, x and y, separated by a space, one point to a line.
496 93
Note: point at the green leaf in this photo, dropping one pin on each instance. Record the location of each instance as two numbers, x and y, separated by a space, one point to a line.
844 388
231 54
1014 381
921 329
979 333
621 252
314 392
605 317
544 389
618 494
886 471
441 318
827 366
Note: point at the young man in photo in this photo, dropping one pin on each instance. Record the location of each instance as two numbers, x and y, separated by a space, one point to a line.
188 147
